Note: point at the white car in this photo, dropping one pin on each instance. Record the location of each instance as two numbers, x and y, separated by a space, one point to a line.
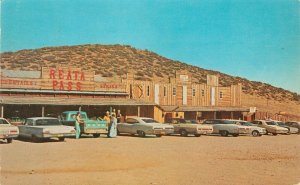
8 131
223 127
249 128
186 127
144 126
270 126
291 130
39 128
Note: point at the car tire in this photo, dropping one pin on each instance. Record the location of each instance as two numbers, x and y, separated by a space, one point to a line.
197 135
35 139
224 133
289 132
118 132
255 133
141 133
235 135
158 135
96 135
61 139
267 133
274 134
183 133
9 140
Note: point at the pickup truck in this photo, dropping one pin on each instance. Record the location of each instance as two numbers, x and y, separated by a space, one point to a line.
94 127
8 131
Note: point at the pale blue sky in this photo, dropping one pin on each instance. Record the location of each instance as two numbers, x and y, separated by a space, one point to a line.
255 39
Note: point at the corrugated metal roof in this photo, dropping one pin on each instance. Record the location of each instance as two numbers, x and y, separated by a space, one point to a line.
20 74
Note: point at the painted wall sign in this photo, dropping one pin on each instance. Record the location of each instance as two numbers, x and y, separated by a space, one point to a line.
107 86
70 79
19 83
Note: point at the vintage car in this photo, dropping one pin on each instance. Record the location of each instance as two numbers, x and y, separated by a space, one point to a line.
8 131
39 128
223 127
185 127
89 126
291 130
249 128
144 126
295 124
270 126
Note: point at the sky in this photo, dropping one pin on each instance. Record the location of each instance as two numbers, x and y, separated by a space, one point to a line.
254 39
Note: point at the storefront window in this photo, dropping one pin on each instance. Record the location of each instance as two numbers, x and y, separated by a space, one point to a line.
174 91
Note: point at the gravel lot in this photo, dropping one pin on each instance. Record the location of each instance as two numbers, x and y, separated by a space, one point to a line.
167 160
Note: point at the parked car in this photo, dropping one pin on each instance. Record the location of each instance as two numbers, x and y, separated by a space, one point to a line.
185 127
223 127
270 126
94 127
8 131
39 128
295 124
291 130
249 128
144 126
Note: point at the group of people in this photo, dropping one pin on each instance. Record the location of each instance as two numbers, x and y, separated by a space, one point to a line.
112 120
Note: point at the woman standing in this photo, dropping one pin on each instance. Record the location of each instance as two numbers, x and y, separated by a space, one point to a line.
113 126
77 125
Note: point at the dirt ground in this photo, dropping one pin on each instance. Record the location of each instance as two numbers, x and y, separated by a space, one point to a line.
153 161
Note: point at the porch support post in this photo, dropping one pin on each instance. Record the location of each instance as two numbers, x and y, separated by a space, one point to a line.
43 111
2 111
139 111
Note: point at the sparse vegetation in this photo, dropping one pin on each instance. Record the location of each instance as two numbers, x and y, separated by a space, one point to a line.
111 60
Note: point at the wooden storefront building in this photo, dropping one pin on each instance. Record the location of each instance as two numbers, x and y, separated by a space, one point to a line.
54 90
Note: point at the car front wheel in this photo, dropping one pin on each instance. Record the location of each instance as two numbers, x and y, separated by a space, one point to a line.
224 133
141 133
255 133
183 133
61 139
9 140
158 135
96 135
197 135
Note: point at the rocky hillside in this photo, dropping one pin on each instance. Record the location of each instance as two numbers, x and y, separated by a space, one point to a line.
110 60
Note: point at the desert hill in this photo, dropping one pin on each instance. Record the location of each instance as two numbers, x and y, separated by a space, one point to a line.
111 60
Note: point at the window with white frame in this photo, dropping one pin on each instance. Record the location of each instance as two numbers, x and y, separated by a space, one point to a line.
174 91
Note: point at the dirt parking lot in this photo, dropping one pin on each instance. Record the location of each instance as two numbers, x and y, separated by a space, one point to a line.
167 160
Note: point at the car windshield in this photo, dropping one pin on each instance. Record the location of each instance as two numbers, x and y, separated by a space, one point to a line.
3 121
49 122
83 116
191 121
247 123
228 122
150 121
280 123
270 123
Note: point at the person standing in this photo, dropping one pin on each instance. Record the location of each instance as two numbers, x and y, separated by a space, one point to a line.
77 125
107 119
119 116
113 127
